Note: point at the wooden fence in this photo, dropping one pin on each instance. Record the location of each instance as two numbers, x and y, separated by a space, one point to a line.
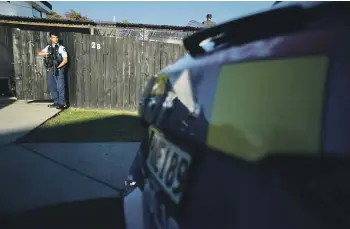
30 74
112 73
6 59
103 72
6 67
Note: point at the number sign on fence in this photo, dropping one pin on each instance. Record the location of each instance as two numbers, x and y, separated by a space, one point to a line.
94 45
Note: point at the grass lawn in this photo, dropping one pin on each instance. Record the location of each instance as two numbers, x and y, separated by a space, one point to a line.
78 125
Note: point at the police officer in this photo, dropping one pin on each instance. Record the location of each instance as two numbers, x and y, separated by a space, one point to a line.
56 80
208 22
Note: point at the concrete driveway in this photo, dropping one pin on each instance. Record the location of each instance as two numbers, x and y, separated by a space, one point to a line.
41 175
17 118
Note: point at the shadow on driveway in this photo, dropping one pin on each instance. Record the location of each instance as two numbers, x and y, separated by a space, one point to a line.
4 102
116 128
103 213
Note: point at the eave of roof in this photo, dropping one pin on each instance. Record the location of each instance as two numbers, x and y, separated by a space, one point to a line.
82 24
43 24
42 20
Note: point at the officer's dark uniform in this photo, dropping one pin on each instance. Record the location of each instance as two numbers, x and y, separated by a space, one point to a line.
56 81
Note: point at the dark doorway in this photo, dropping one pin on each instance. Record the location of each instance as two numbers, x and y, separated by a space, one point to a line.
6 71
4 88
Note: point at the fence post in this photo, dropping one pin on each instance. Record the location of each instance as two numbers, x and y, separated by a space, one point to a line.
92 31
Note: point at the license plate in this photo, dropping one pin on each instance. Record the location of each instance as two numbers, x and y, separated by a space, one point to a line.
168 164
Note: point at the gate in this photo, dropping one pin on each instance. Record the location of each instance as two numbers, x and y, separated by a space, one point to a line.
6 60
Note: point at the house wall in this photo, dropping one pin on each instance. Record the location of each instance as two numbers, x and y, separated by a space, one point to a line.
22 9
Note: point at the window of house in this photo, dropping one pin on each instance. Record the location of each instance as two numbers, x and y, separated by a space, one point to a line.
37 13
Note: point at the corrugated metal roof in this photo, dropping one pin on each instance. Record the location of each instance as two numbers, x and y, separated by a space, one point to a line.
82 24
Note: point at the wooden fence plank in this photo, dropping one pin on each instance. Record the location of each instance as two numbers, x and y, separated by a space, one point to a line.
154 57
150 58
6 60
126 50
37 86
144 61
175 54
31 75
127 53
104 52
72 71
16 38
32 79
120 70
113 74
97 77
108 55
140 75
79 69
182 52
71 79
125 80
138 69
44 72
132 75
162 53
157 57
71 76
41 43
87 70
99 72
145 73
169 49
67 45
25 64
93 68
100 48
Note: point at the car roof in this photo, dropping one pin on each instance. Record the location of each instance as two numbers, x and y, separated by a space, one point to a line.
305 4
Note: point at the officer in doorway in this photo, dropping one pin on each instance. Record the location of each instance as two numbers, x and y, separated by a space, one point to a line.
55 61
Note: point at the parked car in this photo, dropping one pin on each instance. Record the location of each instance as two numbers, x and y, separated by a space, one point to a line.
252 133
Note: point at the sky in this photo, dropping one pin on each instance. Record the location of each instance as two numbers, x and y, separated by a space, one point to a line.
161 13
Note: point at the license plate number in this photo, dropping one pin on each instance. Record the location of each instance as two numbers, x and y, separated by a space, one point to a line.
168 164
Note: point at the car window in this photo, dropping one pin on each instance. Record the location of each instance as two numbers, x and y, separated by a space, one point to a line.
208 45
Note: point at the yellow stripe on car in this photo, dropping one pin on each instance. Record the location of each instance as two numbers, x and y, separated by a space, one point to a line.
269 106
